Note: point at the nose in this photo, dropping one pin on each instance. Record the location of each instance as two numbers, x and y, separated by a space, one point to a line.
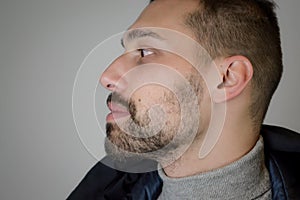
113 77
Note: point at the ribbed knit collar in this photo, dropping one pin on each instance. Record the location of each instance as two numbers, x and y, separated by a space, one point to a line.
246 178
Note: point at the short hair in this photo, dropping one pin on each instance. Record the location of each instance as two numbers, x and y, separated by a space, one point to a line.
243 27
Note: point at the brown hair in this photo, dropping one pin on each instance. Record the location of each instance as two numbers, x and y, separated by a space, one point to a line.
243 27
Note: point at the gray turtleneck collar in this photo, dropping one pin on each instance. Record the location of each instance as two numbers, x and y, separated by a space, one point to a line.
246 178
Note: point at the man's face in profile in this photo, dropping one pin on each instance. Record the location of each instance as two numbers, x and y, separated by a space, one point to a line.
157 96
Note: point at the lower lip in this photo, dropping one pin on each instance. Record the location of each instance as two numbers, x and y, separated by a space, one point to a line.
116 115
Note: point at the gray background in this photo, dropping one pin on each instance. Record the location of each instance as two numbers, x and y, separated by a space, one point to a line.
42 44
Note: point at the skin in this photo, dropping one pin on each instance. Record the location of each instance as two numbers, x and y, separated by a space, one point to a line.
238 135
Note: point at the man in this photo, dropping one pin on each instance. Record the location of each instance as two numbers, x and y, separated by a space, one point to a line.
196 109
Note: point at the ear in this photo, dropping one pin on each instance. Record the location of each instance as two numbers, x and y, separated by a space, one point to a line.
236 72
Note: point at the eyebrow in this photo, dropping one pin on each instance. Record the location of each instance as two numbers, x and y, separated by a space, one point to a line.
139 33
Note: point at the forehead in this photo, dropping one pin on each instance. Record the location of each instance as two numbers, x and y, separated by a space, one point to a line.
166 14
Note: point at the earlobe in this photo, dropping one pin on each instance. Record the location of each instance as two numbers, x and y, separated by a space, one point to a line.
236 72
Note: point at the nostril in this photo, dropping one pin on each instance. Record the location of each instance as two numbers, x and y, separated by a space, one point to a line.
109 86
107 82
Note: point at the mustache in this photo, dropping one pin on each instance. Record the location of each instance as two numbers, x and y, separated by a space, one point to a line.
117 98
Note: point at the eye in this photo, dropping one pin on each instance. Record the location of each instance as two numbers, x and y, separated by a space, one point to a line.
145 52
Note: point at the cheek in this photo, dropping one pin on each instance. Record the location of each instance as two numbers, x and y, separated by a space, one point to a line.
156 99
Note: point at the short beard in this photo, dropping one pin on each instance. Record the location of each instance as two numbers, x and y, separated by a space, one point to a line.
126 144
129 141
164 147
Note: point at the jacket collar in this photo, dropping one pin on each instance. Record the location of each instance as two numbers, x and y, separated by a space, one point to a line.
282 151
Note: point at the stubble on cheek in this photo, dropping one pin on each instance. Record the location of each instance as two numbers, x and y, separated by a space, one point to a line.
141 120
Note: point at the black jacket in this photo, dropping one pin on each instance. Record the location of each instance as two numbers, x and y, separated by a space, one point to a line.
282 152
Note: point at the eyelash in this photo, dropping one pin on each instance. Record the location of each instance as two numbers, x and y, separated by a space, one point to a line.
143 54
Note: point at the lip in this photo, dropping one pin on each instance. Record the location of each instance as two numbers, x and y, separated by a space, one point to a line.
117 112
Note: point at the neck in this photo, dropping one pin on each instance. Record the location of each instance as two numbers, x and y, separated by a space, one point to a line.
233 143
